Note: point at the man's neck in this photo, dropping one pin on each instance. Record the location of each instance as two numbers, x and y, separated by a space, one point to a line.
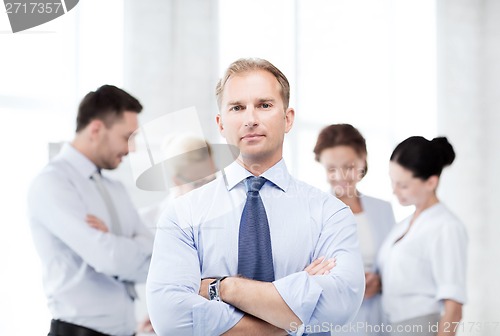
255 167
79 144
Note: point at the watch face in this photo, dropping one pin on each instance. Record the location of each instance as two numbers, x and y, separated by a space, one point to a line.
212 292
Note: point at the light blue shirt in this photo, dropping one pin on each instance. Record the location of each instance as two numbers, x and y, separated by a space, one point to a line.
197 237
83 267
380 220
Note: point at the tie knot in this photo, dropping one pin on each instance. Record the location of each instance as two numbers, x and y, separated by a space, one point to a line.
255 183
96 176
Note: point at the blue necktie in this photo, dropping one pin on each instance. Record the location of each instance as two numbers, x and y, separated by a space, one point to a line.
255 257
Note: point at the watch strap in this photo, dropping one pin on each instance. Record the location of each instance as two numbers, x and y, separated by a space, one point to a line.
214 289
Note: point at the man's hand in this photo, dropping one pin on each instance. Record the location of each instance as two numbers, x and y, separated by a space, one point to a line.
259 318
96 223
320 266
145 326
373 284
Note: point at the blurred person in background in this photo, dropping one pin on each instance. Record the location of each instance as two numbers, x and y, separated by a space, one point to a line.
190 165
90 239
423 260
341 149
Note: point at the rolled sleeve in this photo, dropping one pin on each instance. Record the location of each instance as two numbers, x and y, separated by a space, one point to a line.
451 291
300 294
343 288
449 262
332 299
214 318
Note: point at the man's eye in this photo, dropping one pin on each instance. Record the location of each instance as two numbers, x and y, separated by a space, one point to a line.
266 105
235 108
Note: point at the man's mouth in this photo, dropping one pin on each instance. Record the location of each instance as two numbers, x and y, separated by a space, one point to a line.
252 136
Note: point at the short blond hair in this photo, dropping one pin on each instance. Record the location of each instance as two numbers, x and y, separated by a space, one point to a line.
252 64
184 150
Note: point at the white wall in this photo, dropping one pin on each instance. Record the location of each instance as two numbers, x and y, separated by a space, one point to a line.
468 112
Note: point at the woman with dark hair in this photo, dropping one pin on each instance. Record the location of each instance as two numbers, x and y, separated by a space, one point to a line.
423 259
341 149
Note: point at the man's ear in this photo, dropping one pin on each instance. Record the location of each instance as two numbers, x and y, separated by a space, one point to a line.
220 124
289 118
95 128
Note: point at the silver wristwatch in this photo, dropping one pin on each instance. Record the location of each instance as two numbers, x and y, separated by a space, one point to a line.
213 289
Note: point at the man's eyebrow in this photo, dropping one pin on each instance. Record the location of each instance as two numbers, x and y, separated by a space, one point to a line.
260 100
267 100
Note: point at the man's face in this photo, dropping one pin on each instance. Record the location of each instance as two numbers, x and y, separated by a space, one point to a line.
113 141
252 116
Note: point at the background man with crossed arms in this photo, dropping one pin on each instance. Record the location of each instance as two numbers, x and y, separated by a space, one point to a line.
207 234
89 268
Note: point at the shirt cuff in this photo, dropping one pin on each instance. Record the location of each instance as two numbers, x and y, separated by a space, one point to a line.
301 294
451 292
214 318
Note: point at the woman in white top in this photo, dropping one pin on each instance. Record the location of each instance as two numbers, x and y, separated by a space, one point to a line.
422 261
341 149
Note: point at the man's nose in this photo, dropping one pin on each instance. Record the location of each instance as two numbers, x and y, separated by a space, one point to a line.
131 144
251 119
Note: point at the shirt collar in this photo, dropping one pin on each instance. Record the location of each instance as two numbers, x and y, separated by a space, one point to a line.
76 159
277 174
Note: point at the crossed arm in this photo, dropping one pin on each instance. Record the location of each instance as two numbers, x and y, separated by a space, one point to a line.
266 311
55 205
247 306
96 223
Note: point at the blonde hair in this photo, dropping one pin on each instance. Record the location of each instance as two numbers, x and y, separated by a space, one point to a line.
252 64
184 150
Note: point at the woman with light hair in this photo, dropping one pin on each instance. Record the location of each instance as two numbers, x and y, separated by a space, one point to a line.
188 165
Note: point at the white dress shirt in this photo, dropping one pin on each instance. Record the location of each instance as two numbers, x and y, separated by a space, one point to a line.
83 268
425 267
197 237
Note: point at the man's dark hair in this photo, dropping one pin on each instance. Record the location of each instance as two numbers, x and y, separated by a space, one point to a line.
107 103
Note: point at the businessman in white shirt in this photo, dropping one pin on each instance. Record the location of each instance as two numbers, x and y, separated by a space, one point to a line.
232 257
91 242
